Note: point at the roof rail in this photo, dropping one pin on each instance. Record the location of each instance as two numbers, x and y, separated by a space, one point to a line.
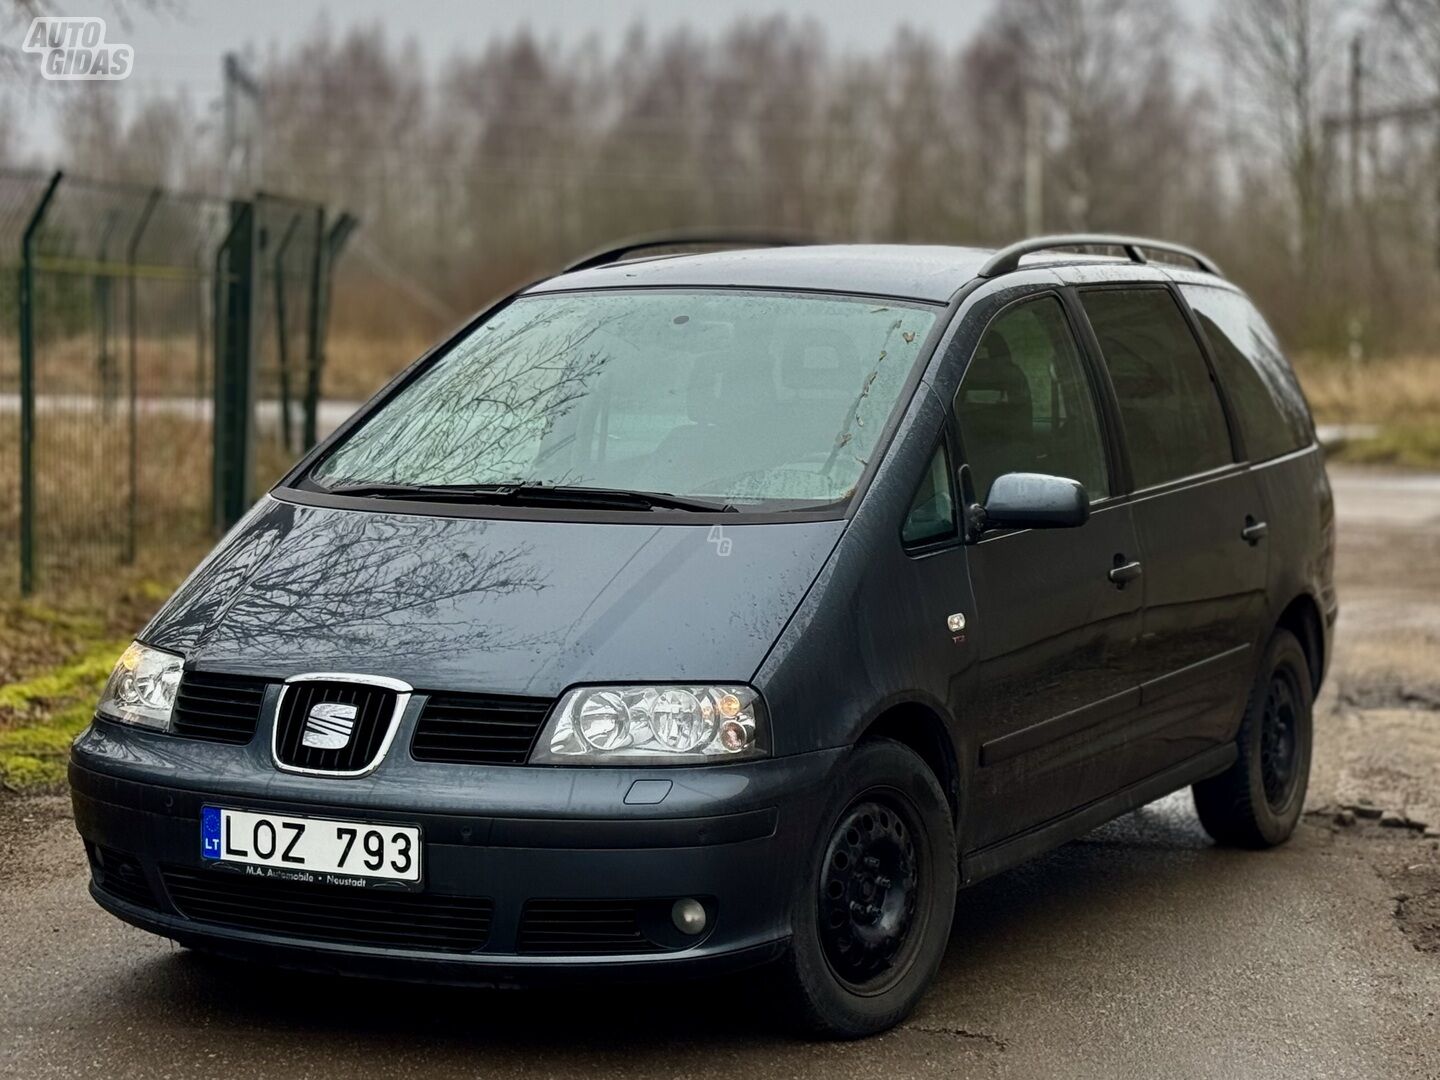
606 256
1007 259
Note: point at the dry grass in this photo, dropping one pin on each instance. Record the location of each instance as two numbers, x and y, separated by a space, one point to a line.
1401 395
82 493
174 367
1402 391
1404 446
358 366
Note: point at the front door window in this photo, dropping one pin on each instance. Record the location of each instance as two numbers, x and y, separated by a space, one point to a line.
1026 405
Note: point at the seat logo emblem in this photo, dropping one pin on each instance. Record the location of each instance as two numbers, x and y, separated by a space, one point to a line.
329 726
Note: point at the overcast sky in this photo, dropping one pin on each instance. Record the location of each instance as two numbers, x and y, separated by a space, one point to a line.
184 45
179 43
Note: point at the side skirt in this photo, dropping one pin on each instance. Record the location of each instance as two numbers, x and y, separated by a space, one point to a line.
986 861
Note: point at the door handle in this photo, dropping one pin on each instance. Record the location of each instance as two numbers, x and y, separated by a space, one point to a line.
1254 531
1124 572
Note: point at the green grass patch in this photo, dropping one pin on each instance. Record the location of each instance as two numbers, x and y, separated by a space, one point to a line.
35 635
1411 447
33 757
77 678
55 655
40 716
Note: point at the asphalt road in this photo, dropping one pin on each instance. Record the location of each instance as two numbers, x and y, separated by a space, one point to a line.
1138 951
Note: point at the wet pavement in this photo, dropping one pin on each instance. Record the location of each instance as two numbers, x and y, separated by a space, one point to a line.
1139 951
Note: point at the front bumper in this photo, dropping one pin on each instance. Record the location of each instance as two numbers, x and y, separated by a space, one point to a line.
511 839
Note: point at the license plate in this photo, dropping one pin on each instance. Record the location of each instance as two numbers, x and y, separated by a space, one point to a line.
322 850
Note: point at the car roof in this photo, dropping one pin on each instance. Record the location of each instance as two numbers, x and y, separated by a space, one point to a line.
932 273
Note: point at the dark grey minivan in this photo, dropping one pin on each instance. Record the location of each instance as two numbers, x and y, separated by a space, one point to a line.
698 612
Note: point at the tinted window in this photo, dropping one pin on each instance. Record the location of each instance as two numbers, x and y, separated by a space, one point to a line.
1272 413
1174 424
1025 404
932 513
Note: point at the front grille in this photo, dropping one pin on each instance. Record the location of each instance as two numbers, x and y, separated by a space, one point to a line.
583 927
363 731
221 708
478 729
342 914
121 876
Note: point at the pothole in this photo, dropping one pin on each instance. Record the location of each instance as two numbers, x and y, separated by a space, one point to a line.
1362 815
1417 903
1387 693
1405 854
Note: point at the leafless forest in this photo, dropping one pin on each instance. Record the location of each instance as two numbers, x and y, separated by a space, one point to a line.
1297 141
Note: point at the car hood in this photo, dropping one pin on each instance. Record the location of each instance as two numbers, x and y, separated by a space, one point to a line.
497 605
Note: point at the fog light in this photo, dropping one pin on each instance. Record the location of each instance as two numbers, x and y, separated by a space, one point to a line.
688 916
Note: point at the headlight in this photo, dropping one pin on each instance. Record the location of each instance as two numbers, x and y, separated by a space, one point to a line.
658 725
142 687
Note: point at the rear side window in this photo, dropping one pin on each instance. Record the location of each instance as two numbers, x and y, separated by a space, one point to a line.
1026 405
1174 424
1272 412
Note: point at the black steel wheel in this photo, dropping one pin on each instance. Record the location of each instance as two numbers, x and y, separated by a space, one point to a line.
1279 739
871 913
1257 801
869 883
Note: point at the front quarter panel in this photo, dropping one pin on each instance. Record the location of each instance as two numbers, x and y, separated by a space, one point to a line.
870 632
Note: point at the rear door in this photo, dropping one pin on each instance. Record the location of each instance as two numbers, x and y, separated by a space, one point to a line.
1200 521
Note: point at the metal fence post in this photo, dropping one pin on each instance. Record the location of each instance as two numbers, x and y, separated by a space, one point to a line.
327 250
105 315
282 334
27 388
132 317
234 337
313 330
111 286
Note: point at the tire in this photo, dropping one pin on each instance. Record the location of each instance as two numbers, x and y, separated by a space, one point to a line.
1256 803
887 825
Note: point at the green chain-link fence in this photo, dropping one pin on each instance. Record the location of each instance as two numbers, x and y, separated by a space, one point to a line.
162 357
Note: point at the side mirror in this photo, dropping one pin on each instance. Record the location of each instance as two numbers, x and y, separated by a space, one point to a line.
1036 501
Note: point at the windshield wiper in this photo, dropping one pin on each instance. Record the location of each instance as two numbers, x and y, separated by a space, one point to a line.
532 494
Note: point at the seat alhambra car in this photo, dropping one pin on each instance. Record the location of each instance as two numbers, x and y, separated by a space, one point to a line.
696 612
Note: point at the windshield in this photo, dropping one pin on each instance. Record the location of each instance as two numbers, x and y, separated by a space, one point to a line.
741 399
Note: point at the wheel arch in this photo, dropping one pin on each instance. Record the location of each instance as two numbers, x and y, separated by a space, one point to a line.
919 727
1303 619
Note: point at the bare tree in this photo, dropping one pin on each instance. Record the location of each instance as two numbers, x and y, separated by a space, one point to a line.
1282 51
15 15
11 143
1418 23
524 152
92 133
1411 29
1102 71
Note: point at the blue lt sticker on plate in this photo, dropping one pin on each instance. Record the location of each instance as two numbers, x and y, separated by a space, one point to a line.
210 832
